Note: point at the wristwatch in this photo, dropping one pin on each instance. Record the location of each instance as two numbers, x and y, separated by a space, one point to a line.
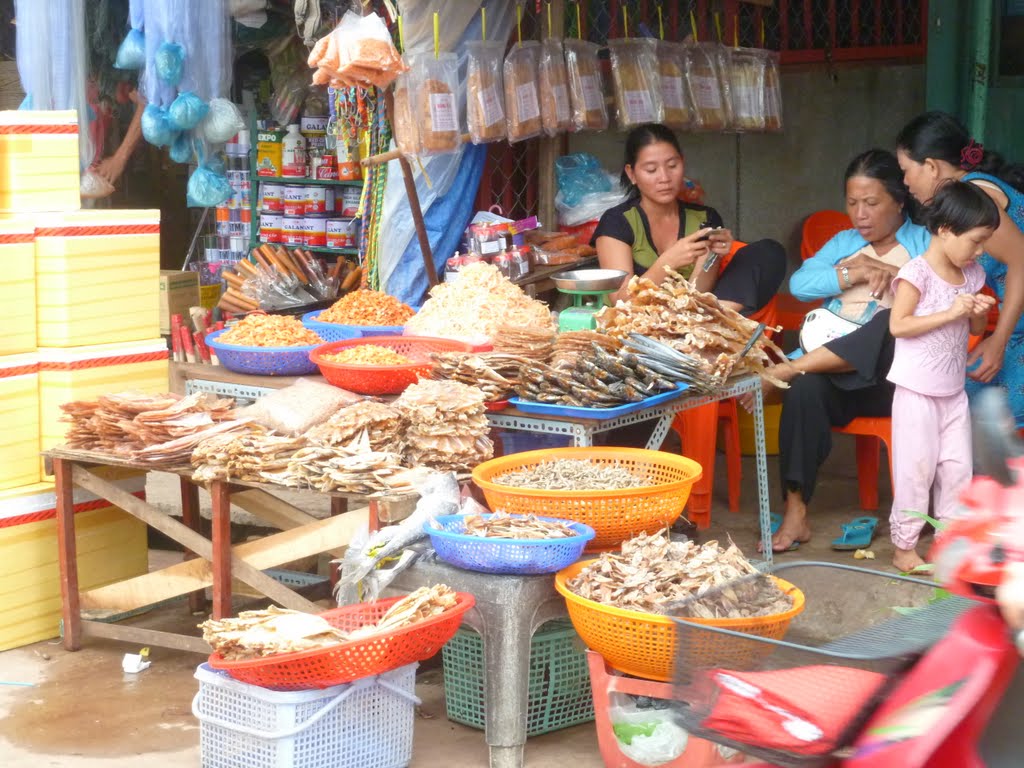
845 272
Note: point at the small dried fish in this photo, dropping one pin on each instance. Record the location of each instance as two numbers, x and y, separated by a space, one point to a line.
571 475
501 525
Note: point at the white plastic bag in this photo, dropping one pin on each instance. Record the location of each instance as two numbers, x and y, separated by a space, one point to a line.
295 409
223 121
636 83
649 736
586 88
92 186
554 88
522 99
485 92
590 207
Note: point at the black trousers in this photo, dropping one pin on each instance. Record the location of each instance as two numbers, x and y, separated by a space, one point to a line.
816 402
753 275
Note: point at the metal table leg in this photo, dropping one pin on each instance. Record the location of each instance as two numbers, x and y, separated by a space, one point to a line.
661 431
763 498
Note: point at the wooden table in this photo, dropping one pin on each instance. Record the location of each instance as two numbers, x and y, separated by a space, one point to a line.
209 562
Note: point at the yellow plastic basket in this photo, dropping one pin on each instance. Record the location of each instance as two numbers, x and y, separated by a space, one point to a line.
615 515
644 644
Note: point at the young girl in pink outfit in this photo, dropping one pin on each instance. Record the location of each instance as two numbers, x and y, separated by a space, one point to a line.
935 308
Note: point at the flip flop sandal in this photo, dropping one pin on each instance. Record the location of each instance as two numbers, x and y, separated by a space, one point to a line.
857 534
776 519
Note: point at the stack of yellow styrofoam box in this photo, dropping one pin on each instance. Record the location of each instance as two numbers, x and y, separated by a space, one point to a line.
17 287
85 373
19 420
111 547
98 277
39 163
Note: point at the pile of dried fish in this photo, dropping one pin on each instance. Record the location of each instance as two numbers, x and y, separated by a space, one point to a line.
531 343
495 374
672 365
382 423
501 525
597 379
417 606
693 323
246 456
569 345
571 475
653 571
161 430
446 425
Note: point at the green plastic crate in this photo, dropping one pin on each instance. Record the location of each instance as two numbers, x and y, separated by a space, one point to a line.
559 684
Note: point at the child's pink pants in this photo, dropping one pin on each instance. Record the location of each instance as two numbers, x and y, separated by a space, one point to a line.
931 447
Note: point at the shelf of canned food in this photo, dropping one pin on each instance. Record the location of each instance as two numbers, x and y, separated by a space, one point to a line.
313 213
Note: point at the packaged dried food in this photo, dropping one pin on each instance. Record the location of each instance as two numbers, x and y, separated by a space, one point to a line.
772 92
358 52
635 82
522 101
485 101
746 88
437 82
299 407
705 86
586 89
672 78
554 88
403 118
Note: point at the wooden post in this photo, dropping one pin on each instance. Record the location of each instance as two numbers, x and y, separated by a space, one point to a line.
220 491
190 516
67 555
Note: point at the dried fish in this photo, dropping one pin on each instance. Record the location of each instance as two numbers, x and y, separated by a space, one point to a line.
501 525
572 475
495 374
446 425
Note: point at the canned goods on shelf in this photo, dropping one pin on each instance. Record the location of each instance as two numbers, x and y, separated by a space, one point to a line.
342 233
270 228
319 200
314 232
272 196
295 201
348 201
293 230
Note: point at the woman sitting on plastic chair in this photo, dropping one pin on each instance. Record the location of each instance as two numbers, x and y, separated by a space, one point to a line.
844 378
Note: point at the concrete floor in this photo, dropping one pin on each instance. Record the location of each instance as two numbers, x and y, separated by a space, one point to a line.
80 710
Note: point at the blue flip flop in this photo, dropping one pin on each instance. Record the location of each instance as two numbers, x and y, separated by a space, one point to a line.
776 519
857 534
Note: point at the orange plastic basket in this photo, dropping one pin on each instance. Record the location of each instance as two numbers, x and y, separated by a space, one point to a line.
615 515
345 662
383 379
644 644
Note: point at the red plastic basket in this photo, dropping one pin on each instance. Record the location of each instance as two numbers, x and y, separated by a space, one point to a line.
345 662
383 379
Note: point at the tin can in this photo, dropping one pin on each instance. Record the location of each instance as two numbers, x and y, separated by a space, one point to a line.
319 200
270 228
328 168
349 168
313 125
314 231
293 230
295 201
342 233
272 198
349 201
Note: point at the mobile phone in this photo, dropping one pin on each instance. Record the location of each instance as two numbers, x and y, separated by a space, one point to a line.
705 225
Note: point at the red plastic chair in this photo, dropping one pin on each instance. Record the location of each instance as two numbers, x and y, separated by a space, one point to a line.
819 228
870 433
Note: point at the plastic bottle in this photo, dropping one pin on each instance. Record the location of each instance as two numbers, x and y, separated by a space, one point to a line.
293 163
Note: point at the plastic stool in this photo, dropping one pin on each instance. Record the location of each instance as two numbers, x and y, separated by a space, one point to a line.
870 432
698 436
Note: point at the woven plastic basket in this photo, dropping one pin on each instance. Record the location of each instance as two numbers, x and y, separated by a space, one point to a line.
342 331
383 379
644 644
521 556
345 662
367 724
262 361
615 515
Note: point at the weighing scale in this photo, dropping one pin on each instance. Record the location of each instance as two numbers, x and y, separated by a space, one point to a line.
589 289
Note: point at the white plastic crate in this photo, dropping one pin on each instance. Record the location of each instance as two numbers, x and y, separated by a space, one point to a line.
365 724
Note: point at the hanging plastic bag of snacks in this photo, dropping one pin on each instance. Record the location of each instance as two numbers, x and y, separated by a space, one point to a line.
672 78
586 89
635 81
436 85
485 94
554 88
746 88
403 118
772 92
522 100
705 86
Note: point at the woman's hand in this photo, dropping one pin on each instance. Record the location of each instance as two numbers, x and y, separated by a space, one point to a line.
687 250
720 241
877 275
990 352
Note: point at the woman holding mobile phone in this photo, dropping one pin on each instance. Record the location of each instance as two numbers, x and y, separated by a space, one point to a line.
654 231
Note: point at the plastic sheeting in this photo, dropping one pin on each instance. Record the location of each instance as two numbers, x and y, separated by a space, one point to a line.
454 177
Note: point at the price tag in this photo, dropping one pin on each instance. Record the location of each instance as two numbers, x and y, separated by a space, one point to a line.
560 94
672 92
526 101
706 92
592 97
442 113
638 106
490 106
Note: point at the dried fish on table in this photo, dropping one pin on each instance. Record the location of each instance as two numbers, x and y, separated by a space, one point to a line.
532 343
446 425
381 422
495 374
501 525
243 457
569 345
572 475
652 571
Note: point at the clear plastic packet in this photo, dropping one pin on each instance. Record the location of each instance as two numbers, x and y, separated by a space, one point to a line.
586 88
358 52
93 186
156 126
772 92
635 82
522 99
705 87
555 115
186 111
436 88
672 79
485 101
403 118
295 409
223 121
746 89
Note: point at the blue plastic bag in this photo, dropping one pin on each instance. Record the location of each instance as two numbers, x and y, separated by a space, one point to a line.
168 62
186 111
132 52
207 189
156 128
181 148
579 175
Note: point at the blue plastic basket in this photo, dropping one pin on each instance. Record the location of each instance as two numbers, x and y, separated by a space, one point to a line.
570 411
519 556
341 332
263 361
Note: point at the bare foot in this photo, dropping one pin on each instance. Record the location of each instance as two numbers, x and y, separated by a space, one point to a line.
906 560
794 526
771 393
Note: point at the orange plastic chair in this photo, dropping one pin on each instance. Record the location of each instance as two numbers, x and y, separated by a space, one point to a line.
819 228
871 433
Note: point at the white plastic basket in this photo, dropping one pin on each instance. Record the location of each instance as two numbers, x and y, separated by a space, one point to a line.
365 724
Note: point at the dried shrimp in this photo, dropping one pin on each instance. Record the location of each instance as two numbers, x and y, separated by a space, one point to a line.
365 307
368 354
269 331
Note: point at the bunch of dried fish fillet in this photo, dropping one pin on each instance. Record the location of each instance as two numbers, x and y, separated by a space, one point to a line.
569 345
532 343
502 525
691 322
652 571
571 475
382 423
256 634
495 374
446 425
160 430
